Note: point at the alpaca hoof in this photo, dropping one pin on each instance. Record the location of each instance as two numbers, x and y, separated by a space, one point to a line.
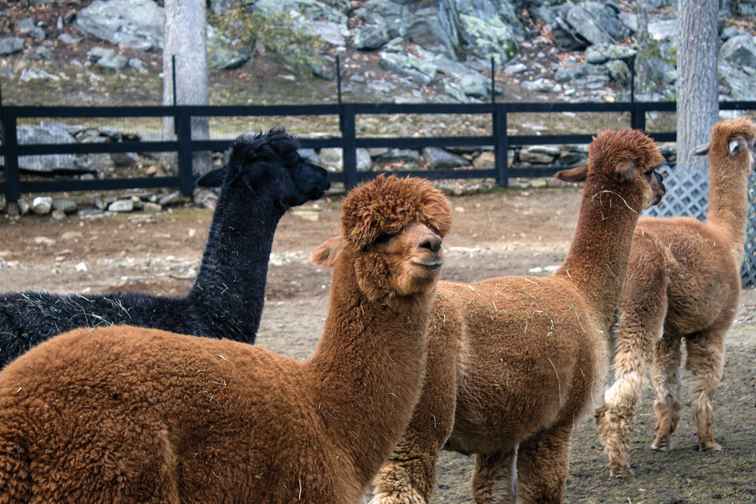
661 446
410 497
621 472
712 446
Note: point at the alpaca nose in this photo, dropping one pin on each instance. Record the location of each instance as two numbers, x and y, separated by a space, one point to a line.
431 241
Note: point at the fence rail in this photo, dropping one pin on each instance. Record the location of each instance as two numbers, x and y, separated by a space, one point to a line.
184 145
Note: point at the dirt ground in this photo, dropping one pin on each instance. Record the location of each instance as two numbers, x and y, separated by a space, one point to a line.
507 232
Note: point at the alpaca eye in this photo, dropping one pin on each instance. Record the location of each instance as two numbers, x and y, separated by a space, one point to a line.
382 238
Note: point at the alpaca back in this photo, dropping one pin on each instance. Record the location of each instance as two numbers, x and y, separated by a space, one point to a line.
701 269
521 335
221 407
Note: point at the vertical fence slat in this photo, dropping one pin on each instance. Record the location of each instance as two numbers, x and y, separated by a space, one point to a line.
501 144
183 119
349 145
12 176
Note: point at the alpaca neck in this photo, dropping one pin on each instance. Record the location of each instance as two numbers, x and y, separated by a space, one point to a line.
597 260
728 202
231 278
368 368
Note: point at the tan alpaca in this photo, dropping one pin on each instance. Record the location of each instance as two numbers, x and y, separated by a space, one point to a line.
125 414
515 362
683 282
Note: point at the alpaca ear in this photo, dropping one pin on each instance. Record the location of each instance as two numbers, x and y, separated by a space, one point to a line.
625 171
702 149
577 174
326 254
213 178
737 146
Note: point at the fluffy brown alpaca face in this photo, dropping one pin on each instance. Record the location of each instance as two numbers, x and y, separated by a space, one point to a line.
627 157
404 264
392 229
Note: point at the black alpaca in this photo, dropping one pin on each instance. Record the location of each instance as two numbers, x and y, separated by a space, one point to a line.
264 178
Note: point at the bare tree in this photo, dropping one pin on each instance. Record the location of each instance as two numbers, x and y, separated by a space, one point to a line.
186 39
642 74
697 87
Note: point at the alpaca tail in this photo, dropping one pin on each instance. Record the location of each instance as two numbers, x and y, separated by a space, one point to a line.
15 473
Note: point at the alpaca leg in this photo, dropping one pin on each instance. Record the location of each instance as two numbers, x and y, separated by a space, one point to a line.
666 378
494 478
706 360
408 476
542 464
615 417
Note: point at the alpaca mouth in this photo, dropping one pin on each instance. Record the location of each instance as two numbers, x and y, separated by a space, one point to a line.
431 264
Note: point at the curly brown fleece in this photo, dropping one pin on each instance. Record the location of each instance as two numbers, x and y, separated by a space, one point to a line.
126 415
387 207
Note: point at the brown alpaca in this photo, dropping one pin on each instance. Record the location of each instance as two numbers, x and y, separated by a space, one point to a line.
127 414
683 282
515 362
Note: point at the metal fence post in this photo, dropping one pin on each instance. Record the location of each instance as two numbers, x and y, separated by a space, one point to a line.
12 176
183 119
349 145
501 144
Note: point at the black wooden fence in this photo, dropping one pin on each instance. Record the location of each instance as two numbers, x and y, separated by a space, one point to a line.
184 145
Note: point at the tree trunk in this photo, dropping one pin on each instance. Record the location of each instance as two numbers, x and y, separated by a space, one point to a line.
642 74
186 39
697 87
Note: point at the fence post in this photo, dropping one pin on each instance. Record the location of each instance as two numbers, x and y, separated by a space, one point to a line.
12 177
632 79
349 145
638 117
183 120
501 144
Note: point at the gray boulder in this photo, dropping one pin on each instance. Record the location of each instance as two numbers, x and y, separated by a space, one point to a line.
41 205
45 135
597 22
331 159
69 39
565 74
370 37
11 45
302 12
221 52
364 161
322 67
65 205
28 74
476 27
37 33
538 85
132 24
25 25
441 159
601 53
407 159
113 61
663 29
566 37
619 72
739 50
742 85
330 33
453 90
411 66
424 29
475 85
